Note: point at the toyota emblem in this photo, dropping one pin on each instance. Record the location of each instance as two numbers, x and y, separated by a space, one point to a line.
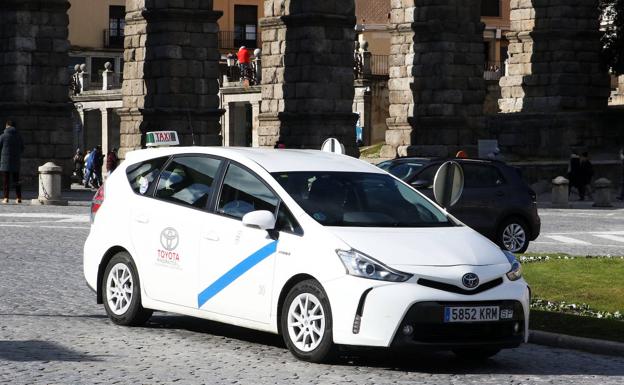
169 239
470 280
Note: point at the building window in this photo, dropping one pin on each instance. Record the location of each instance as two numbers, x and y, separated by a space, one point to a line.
116 25
490 8
246 26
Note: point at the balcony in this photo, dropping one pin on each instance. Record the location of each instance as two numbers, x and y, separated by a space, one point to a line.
230 40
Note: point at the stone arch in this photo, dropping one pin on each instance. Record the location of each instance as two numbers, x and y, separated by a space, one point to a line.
307 76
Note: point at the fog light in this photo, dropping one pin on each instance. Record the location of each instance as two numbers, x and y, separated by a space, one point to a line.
408 330
516 327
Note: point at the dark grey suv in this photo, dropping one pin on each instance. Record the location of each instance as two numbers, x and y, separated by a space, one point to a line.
496 201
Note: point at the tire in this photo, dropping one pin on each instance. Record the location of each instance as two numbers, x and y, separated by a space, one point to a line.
122 300
475 354
308 337
513 235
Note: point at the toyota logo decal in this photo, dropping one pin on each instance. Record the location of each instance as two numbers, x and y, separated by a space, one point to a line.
169 239
470 280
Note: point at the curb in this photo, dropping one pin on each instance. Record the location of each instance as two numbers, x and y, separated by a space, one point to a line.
564 341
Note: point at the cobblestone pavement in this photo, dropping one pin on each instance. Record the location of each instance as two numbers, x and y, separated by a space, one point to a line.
52 332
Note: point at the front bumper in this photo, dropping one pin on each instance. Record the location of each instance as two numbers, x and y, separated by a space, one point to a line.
372 313
429 331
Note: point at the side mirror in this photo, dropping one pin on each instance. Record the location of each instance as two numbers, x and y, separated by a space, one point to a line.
261 219
421 183
448 184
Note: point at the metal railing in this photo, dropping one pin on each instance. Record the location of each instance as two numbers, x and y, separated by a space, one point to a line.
114 41
379 65
231 40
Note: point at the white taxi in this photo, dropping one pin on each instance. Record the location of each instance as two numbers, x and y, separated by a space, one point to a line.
321 248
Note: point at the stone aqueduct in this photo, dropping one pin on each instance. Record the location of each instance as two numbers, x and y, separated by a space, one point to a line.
553 88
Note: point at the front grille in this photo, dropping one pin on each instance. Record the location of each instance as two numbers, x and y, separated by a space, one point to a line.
458 290
429 328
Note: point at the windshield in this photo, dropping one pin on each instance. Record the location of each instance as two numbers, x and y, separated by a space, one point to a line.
360 200
402 170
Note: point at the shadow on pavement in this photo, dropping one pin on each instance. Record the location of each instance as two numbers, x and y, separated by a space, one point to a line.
526 360
33 350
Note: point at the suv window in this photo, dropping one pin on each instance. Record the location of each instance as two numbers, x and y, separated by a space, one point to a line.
427 176
142 175
481 175
243 193
188 180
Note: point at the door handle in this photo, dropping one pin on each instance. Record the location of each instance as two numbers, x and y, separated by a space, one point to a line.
211 236
142 218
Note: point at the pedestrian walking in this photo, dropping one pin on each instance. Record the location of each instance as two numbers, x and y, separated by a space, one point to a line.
112 160
11 149
244 62
586 172
573 172
621 197
94 162
78 164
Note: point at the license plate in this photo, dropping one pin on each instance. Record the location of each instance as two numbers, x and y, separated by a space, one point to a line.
471 314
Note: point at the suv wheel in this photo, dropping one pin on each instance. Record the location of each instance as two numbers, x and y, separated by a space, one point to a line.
122 292
513 235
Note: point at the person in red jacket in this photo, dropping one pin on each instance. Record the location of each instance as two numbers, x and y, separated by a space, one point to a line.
244 61
112 160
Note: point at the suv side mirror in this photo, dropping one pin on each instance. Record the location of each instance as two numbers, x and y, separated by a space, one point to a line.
261 219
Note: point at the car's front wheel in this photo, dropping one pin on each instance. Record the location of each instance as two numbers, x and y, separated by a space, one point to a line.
122 292
306 322
513 235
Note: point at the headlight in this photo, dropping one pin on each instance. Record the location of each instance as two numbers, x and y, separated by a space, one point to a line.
516 268
360 265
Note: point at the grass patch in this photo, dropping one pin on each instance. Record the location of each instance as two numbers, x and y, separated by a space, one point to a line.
595 282
604 329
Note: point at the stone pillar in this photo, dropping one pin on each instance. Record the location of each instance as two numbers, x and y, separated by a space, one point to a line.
50 186
554 62
307 74
104 114
171 69
34 85
436 74
560 192
108 77
84 79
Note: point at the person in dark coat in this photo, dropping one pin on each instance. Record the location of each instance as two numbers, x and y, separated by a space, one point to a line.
112 160
573 172
11 149
586 172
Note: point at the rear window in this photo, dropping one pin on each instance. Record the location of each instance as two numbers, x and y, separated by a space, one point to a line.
142 176
481 176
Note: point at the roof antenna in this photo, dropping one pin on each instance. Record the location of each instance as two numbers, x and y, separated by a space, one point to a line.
188 116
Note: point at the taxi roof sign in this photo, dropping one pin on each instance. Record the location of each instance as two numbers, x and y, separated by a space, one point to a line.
162 139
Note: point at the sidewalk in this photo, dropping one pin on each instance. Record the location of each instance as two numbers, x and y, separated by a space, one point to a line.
544 201
78 195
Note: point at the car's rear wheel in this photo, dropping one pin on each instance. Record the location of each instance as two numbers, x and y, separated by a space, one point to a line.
513 235
122 292
475 354
306 322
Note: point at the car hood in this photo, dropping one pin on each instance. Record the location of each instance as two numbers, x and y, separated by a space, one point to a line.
435 246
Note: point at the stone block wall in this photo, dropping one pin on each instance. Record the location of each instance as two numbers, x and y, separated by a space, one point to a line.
307 74
170 72
34 85
554 62
436 75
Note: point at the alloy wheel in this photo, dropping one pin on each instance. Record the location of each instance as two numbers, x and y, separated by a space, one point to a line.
514 237
306 322
119 289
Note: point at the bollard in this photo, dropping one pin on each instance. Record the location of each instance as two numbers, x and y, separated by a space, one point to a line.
560 191
50 186
602 193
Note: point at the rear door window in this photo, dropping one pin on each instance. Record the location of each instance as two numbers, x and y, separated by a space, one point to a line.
188 180
142 176
481 176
